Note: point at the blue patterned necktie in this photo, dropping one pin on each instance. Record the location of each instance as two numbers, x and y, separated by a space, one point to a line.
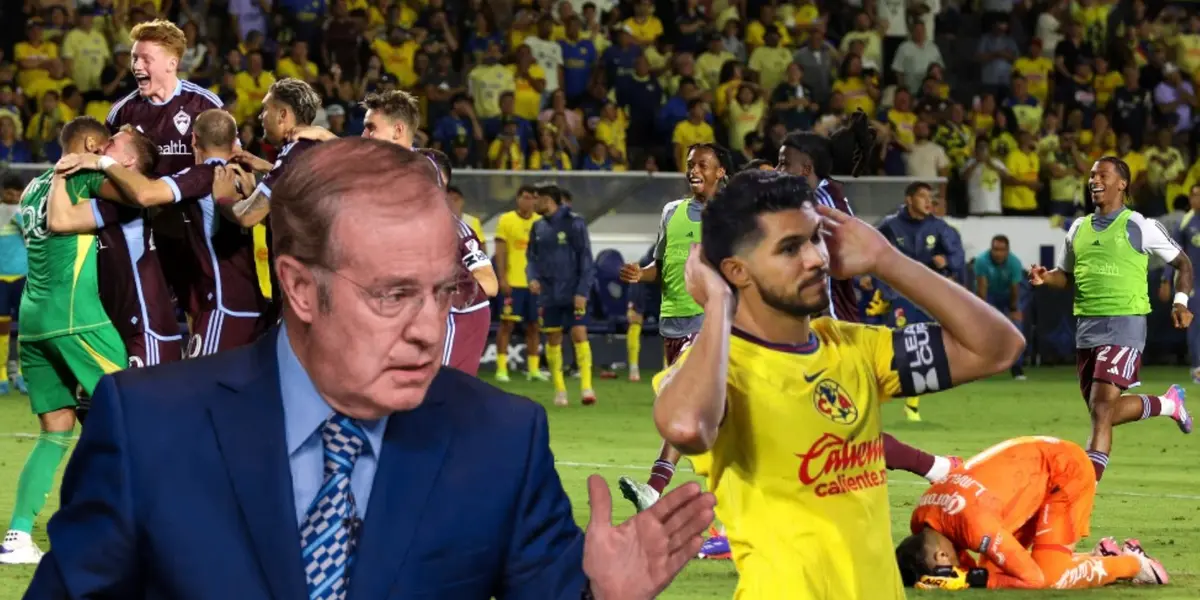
327 535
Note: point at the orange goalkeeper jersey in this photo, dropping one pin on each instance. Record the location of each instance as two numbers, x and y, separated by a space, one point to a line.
1022 492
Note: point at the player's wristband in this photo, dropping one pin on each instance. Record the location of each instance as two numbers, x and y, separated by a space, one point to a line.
1182 298
105 162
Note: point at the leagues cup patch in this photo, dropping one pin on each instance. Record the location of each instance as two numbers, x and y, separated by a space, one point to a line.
182 122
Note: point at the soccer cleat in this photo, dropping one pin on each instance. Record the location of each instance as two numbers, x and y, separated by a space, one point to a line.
536 376
1018 378
502 377
560 399
1132 546
640 494
1182 417
19 549
589 397
19 383
4 388
1107 547
716 547
1196 375
635 375
912 414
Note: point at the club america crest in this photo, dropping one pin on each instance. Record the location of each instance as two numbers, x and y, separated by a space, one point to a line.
182 122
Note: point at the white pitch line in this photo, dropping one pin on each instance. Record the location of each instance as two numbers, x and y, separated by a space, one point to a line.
587 465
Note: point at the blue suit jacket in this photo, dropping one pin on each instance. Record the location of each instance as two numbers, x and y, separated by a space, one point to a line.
180 488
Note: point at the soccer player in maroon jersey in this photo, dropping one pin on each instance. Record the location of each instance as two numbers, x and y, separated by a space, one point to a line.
132 287
290 104
220 264
164 108
471 314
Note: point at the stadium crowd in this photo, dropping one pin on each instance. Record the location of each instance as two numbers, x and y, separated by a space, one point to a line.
1012 116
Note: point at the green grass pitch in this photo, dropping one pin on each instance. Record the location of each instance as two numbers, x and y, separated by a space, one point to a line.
1151 489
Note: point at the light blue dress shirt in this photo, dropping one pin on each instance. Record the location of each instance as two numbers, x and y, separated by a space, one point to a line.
304 411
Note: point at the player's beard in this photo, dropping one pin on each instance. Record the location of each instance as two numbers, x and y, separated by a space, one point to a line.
792 301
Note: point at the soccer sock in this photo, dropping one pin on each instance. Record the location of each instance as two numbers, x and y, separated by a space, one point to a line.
660 475
555 361
913 403
501 363
535 362
1153 406
37 478
899 455
583 357
1082 572
1099 462
633 344
4 357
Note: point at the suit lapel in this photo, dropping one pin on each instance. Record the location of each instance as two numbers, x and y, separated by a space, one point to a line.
249 426
414 447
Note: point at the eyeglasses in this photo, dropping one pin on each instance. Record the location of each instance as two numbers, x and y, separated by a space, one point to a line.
404 300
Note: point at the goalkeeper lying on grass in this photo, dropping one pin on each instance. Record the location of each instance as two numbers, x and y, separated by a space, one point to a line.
1020 506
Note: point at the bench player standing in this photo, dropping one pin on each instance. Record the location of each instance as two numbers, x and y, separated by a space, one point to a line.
1105 259
520 305
680 316
560 274
163 108
220 261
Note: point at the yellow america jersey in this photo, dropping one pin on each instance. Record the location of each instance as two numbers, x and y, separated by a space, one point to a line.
798 466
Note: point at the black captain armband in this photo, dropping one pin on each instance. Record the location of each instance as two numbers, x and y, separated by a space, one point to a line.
919 358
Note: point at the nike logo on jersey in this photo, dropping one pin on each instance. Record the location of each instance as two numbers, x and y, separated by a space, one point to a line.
813 377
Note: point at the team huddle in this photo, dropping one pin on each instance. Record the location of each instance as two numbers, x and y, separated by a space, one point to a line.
159 210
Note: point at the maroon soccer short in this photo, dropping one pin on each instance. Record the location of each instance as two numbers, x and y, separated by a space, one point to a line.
146 350
673 347
466 339
217 330
1117 365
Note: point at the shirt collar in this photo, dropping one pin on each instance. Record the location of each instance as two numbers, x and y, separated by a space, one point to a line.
304 410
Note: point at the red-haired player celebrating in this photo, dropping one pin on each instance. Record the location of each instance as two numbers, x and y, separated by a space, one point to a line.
1020 506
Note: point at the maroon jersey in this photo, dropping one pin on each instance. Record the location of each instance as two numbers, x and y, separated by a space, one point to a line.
169 125
220 261
842 303
470 253
287 155
132 287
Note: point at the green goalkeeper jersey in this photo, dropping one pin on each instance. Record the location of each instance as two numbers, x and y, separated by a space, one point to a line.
62 294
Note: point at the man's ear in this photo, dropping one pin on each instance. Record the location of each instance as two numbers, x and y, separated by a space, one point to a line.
92 145
299 286
401 130
734 270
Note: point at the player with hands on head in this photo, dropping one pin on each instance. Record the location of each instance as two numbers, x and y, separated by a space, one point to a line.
1105 260
766 378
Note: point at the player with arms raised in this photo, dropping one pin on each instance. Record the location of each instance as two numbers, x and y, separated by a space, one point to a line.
1021 506
66 339
1105 258
785 408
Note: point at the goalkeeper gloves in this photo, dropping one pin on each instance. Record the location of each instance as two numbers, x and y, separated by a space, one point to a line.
954 579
